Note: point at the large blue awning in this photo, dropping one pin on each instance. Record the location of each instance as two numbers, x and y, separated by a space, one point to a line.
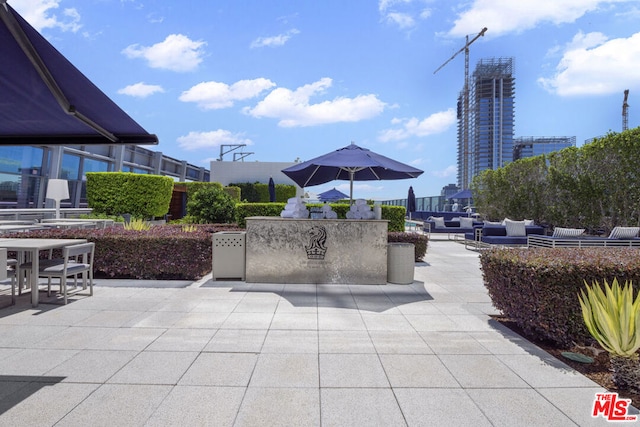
46 100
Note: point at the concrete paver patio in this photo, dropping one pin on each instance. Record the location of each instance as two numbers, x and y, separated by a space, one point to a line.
145 353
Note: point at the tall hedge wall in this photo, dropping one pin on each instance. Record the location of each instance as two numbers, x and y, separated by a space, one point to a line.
593 186
141 195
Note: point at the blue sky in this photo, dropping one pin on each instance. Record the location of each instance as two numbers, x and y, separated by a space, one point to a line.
296 79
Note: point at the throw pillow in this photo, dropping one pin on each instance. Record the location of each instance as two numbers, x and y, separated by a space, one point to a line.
567 232
439 221
529 222
515 228
466 222
624 232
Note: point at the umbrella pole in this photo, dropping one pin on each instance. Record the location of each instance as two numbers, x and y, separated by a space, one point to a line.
351 173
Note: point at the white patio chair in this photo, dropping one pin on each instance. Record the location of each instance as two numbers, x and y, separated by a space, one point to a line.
7 270
25 268
76 260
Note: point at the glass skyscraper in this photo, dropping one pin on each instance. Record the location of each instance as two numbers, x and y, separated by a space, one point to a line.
529 146
491 119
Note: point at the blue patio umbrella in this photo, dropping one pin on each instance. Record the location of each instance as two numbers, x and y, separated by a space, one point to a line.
331 195
351 163
272 190
464 194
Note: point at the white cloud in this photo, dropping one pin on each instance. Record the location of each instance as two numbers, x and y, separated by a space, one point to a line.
293 108
39 13
447 172
507 16
216 95
384 5
155 18
593 65
403 13
273 41
402 20
414 127
176 53
203 140
141 90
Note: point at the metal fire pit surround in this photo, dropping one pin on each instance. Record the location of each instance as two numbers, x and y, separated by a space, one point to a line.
286 250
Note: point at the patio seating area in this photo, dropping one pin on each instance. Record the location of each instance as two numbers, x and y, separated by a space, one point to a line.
230 353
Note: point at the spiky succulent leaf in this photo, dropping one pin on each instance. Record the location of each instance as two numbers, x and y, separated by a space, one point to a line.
612 317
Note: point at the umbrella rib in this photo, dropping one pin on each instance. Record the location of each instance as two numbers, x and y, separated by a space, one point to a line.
311 176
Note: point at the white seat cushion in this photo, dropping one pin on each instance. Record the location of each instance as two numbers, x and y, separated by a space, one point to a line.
624 232
438 220
71 268
466 222
567 232
515 228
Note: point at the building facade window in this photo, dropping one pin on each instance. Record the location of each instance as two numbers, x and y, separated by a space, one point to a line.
24 170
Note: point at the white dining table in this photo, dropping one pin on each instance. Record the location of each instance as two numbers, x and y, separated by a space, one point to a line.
68 224
8 228
30 248
94 222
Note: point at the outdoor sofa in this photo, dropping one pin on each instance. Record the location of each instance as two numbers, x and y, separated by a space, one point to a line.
575 238
425 215
452 227
492 234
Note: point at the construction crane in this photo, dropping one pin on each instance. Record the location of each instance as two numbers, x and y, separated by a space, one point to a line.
465 106
625 111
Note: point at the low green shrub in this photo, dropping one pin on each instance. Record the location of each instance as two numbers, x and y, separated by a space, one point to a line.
244 210
209 205
421 241
538 287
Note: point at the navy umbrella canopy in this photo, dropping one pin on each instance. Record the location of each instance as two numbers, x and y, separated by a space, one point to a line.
464 194
351 163
331 195
46 100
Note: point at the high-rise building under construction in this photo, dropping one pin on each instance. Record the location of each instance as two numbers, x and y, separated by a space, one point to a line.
489 139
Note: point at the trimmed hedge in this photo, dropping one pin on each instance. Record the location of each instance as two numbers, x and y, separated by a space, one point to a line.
421 241
538 287
259 193
163 252
141 195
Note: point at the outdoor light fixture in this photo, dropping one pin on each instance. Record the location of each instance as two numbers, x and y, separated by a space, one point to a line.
57 190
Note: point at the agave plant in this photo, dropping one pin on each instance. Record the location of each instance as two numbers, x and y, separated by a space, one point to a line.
612 317
137 224
189 228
